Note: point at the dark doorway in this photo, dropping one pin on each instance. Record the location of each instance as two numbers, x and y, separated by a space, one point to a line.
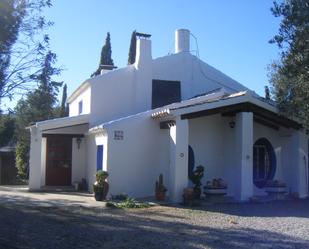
264 162
58 160
191 161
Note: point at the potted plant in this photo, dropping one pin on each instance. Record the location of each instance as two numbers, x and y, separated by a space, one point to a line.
188 196
100 187
160 189
276 188
195 178
216 186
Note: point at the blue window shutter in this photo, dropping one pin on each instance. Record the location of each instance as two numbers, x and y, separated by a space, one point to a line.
99 157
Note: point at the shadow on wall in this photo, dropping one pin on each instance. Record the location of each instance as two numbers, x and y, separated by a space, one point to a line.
50 227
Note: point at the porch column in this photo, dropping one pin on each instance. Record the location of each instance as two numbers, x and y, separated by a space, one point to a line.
35 161
179 138
244 155
297 170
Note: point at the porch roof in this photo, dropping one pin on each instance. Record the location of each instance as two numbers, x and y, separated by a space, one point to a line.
228 105
62 122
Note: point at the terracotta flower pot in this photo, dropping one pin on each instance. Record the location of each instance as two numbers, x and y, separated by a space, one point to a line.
160 196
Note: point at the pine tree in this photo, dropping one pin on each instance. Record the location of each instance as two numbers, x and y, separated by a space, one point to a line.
132 50
106 55
290 75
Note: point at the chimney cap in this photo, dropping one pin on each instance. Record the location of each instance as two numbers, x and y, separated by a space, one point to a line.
142 35
108 67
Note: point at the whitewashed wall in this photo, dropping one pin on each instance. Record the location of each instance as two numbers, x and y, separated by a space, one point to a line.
134 163
78 160
196 76
85 96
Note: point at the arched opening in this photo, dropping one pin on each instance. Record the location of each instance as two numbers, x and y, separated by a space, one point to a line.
190 161
264 162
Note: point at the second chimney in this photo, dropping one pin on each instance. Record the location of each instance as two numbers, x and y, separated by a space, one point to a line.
143 51
182 40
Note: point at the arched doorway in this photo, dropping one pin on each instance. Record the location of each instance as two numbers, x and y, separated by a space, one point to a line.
264 162
190 161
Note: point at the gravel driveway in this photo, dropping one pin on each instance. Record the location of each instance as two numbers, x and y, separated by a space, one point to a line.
68 223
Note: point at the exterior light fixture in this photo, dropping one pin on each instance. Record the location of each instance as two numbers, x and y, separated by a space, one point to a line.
78 141
232 124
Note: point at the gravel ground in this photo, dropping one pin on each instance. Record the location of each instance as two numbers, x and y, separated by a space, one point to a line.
282 224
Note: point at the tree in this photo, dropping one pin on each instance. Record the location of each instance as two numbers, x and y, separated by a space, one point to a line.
132 49
290 75
7 128
106 55
64 106
267 93
23 43
63 109
37 106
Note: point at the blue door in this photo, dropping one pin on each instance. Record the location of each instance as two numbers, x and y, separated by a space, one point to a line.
99 157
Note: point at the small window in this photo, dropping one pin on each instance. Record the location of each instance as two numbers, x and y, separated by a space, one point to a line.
80 107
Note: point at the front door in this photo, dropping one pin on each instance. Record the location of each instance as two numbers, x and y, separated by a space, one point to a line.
58 160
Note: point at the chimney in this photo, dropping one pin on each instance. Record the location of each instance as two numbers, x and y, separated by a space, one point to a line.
106 68
182 40
143 50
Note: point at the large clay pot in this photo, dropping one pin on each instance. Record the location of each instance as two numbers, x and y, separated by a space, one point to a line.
197 193
101 193
160 196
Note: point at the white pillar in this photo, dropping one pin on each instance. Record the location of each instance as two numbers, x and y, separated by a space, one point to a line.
298 167
179 135
244 155
35 161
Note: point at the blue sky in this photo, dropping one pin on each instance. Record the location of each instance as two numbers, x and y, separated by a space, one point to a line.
232 35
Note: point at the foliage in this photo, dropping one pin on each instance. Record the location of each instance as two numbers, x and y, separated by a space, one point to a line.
197 176
7 128
127 203
37 106
22 157
23 44
106 55
62 110
64 106
132 49
290 76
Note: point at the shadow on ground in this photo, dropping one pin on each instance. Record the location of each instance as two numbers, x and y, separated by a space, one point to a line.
293 208
50 227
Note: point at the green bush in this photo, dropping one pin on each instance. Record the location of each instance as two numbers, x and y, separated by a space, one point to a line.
128 203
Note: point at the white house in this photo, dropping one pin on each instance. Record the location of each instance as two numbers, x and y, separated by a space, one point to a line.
145 119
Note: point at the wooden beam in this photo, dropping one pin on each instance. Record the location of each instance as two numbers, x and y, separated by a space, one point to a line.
62 135
265 122
167 124
231 110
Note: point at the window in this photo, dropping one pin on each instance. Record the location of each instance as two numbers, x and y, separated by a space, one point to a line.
165 92
80 107
264 162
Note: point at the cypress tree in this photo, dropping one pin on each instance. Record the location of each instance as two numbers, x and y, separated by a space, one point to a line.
132 50
106 55
64 106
